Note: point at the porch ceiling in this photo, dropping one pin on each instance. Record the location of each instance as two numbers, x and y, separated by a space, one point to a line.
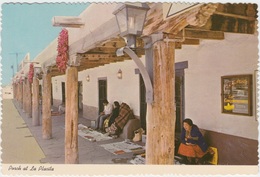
216 19
105 53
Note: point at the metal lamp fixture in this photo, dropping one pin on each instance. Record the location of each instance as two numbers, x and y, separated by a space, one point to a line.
119 74
88 78
130 19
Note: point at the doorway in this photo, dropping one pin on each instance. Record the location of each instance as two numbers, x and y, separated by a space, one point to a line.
80 90
63 92
179 97
102 93
51 95
143 106
180 94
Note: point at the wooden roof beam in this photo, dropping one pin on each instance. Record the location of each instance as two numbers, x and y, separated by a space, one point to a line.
108 60
235 16
103 50
201 34
188 41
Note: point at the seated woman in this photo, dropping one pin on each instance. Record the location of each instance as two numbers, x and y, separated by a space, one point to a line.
193 145
114 114
125 114
111 119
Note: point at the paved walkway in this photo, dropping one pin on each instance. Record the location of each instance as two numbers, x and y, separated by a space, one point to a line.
53 149
18 144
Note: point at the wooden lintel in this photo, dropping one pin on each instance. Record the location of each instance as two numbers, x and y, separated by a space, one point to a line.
96 57
120 42
235 16
201 34
188 41
113 43
103 50
178 45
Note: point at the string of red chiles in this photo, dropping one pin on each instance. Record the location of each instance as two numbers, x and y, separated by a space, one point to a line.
31 73
62 57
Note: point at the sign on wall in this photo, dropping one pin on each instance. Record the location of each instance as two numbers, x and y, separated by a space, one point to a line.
236 94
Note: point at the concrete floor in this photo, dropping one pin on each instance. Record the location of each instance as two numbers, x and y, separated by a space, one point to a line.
25 145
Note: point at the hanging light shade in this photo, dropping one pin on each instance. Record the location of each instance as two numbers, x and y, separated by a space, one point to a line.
119 74
131 17
88 78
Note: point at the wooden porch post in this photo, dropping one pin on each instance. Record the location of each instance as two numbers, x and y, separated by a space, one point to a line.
18 94
21 95
71 116
29 99
161 114
35 103
46 107
13 90
24 95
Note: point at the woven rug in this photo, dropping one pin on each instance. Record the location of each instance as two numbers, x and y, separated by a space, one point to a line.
122 147
90 134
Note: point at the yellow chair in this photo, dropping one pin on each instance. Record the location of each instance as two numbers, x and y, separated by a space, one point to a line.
214 160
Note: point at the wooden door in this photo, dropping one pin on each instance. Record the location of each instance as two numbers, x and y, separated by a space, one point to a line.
80 90
179 99
51 95
143 105
63 91
102 93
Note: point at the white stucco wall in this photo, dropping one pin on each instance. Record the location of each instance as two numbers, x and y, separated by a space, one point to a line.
207 62
92 21
122 90
56 86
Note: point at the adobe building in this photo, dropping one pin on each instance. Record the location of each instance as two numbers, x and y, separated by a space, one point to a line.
195 61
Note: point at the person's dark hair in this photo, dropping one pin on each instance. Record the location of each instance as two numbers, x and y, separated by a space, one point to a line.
188 121
116 104
105 101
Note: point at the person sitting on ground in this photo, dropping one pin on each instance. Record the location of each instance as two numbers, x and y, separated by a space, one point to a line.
61 108
125 114
111 119
193 145
103 115
114 114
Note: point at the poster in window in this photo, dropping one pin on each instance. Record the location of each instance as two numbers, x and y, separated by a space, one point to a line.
237 94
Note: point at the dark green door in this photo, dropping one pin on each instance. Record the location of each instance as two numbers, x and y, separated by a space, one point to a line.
143 106
179 99
102 93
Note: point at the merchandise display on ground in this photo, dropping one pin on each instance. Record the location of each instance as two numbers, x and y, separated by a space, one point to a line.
90 134
122 147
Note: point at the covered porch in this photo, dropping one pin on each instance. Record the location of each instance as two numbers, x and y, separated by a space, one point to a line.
162 37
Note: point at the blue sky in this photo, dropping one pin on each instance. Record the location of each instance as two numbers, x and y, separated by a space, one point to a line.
27 28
